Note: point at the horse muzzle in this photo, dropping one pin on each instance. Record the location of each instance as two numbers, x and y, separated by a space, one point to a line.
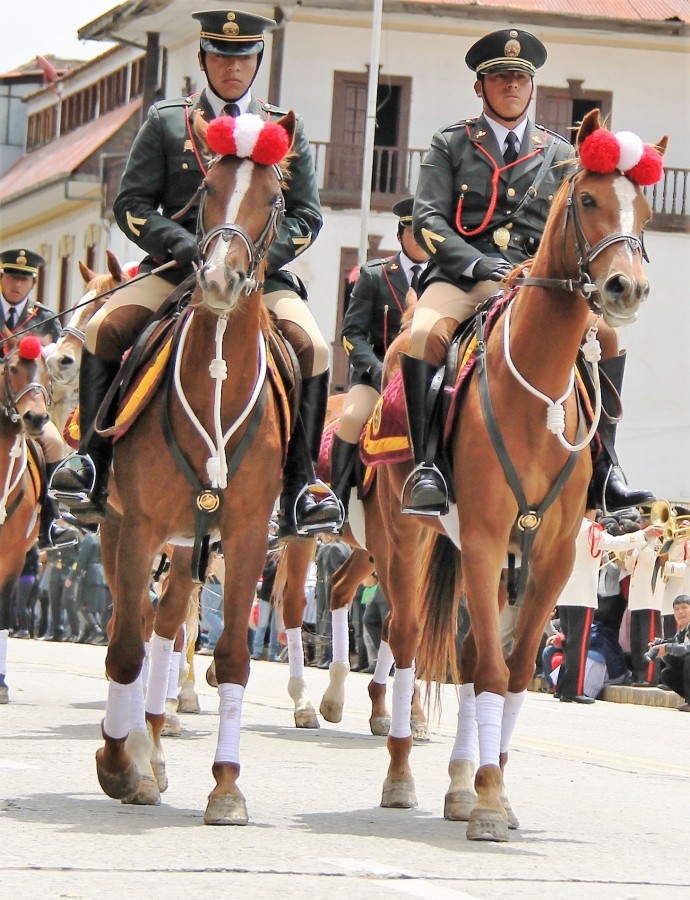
619 298
34 422
221 287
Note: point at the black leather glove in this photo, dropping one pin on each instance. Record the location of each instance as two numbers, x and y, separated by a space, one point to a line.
489 268
183 249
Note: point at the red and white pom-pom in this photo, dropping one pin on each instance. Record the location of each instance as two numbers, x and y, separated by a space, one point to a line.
600 152
631 149
605 152
30 347
248 136
131 269
649 169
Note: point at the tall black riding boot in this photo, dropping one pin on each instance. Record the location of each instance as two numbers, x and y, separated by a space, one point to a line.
610 487
343 459
307 506
425 492
50 534
81 482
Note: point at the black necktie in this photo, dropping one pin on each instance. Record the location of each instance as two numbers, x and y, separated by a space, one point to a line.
414 281
12 319
231 109
511 151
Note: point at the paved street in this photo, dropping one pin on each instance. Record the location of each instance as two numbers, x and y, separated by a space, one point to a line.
602 792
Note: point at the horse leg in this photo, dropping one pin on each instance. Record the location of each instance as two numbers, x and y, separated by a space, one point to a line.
344 583
243 566
172 726
380 719
188 699
488 819
294 602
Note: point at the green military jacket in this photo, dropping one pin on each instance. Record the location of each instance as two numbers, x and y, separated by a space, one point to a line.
373 317
39 319
166 166
455 193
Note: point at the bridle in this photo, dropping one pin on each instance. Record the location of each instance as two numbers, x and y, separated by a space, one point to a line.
11 400
586 252
256 250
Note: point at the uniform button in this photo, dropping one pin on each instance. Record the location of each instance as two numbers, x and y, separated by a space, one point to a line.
550 196
464 187
185 166
511 192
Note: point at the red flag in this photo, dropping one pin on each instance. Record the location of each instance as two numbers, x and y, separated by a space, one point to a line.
50 76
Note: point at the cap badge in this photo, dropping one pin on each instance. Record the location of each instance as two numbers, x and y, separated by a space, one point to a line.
231 28
512 48
21 259
231 17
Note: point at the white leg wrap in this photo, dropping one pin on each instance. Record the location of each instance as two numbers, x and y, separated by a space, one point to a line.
230 711
159 671
295 652
489 722
511 711
465 746
4 634
384 661
341 636
145 667
137 712
118 709
403 686
173 675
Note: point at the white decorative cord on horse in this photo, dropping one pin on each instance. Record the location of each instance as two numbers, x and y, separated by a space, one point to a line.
18 451
217 465
555 412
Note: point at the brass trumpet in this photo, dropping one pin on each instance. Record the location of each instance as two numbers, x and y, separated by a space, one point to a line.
675 520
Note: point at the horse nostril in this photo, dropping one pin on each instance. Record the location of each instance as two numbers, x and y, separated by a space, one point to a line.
34 421
618 287
66 361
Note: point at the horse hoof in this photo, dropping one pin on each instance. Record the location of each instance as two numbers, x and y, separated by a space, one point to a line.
159 771
211 679
380 725
306 717
332 712
458 805
117 785
398 795
4 695
513 821
487 825
226 809
171 726
147 794
420 732
188 701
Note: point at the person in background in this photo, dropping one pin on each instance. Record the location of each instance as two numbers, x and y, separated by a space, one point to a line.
675 655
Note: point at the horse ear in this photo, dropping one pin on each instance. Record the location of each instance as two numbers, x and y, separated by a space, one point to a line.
289 123
86 272
200 126
662 145
590 123
114 267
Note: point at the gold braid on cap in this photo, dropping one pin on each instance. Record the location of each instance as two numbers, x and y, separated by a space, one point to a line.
511 62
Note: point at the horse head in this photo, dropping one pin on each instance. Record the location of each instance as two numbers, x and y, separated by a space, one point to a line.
64 359
241 205
604 214
25 383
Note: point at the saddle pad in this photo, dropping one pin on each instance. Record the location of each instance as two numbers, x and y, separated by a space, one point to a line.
384 438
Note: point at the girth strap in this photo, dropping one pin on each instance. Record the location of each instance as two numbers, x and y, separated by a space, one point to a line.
530 516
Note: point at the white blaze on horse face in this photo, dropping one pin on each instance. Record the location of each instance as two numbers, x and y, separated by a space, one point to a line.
626 193
215 268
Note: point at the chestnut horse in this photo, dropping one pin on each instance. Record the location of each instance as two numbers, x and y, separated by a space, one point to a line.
227 410
64 359
507 468
24 388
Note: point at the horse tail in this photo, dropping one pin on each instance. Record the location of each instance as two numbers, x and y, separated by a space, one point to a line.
437 657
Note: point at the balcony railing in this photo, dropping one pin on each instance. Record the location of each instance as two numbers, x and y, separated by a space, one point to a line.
395 174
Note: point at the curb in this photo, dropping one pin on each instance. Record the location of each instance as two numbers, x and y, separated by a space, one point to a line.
623 693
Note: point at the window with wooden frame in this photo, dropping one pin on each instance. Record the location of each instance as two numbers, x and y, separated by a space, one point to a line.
345 157
562 109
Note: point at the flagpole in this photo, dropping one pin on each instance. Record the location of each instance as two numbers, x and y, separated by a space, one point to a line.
370 130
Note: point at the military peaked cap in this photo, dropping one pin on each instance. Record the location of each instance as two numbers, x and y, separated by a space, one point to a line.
506 50
403 210
21 262
230 32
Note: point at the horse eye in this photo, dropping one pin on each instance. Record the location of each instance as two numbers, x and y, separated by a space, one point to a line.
14 370
587 199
